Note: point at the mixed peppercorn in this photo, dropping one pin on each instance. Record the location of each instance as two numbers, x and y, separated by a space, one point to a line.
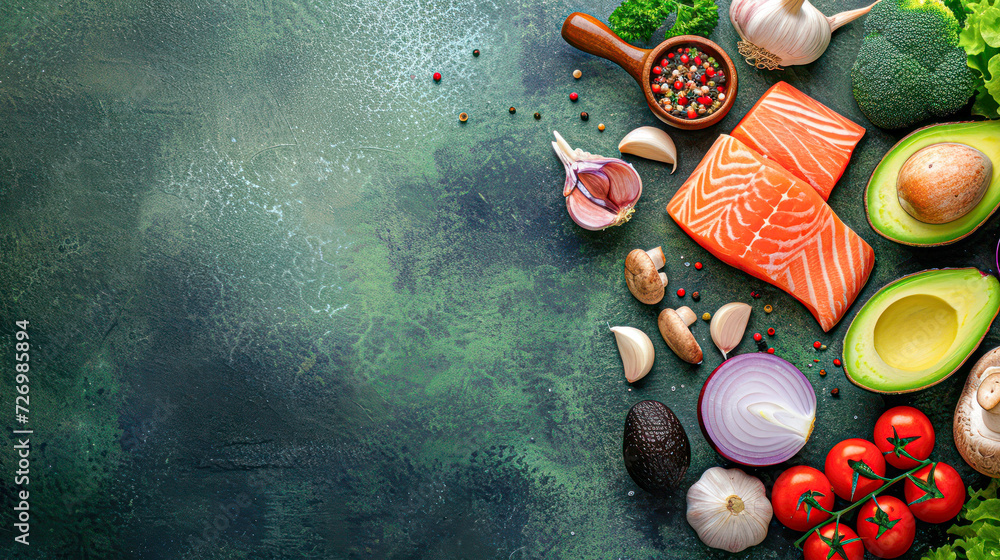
689 84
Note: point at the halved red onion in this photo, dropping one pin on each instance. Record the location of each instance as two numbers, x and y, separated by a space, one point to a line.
757 409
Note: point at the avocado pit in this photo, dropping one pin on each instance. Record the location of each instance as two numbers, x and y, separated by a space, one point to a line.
943 182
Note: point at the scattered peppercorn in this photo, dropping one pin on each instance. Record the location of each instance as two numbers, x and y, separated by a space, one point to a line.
834 392
577 74
770 350
706 316
574 96
512 110
768 309
463 117
584 116
816 361
696 296
817 344
823 347
822 372
698 266
761 346
437 76
538 116
770 331
601 127
757 337
755 294
681 292
837 363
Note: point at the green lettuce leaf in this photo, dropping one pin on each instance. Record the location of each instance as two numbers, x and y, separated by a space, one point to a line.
978 529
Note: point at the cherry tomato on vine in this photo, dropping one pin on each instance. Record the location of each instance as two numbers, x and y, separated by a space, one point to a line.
905 428
887 527
834 542
795 495
853 467
947 493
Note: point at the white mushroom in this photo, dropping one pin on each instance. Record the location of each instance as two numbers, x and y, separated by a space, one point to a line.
642 274
977 416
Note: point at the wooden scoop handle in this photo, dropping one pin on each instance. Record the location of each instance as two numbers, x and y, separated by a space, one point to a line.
589 35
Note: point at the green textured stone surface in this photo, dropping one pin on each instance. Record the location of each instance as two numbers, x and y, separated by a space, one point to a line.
284 305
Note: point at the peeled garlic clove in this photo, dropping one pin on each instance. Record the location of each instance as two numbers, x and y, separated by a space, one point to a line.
651 143
637 352
728 326
600 192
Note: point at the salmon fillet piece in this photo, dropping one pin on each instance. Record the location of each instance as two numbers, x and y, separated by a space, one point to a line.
753 215
804 136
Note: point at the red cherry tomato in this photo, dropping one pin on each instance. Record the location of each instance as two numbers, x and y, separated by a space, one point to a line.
937 509
793 494
910 429
834 542
887 533
847 482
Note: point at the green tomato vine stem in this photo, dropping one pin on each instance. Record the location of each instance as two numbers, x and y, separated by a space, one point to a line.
840 513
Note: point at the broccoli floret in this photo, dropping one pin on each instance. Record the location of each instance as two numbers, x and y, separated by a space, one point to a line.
637 20
910 66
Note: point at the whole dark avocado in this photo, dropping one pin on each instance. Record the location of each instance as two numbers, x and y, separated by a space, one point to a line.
655 448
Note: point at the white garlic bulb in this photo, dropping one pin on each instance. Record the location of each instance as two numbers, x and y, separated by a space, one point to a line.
780 33
728 509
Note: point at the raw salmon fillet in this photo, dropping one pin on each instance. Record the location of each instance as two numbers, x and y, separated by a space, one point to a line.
801 134
754 215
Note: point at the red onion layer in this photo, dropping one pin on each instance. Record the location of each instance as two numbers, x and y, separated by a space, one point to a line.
757 409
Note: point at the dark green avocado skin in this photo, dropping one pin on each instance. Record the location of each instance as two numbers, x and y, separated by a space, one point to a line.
656 448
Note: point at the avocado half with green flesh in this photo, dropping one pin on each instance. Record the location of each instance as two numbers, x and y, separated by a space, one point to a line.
920 329
888 218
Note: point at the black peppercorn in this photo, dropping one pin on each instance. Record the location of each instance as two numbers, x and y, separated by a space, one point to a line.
584 116
538 116
475 52
835 391
696 296
512 110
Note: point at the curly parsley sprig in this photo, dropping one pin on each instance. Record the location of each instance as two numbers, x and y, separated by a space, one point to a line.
637 20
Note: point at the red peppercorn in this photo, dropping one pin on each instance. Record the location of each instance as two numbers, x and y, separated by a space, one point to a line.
669 55
681 292
770 350
710 71
817 344
698 266
657 70
678 85
684 59
837 363
757 337
721 89
703 79
682 100
574 96
834 392
697 61
437 76
656 88
692 114
687 50
770 331
664 62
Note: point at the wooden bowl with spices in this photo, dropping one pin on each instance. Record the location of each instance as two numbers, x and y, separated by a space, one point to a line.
689 82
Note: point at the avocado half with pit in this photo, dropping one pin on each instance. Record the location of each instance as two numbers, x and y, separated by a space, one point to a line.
885 212
920 329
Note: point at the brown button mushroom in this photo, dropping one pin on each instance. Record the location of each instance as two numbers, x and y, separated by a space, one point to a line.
977 416
642 276
674 328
